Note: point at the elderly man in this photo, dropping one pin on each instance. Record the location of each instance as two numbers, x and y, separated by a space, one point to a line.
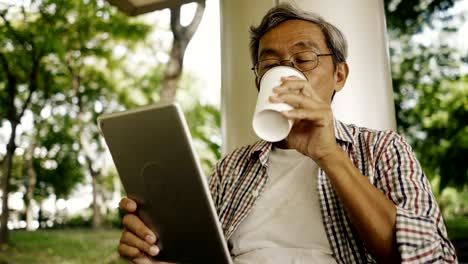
328 193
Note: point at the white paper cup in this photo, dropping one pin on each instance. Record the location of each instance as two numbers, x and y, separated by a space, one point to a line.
268 122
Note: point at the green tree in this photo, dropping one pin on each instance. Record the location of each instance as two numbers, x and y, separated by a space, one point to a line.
23 74
430 89
44 51
76 78
205 122
50 161
87 63
409 17
181 38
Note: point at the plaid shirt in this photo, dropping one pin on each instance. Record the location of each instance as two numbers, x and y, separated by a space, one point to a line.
390 165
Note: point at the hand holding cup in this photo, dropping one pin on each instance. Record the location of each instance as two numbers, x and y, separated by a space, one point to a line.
268 122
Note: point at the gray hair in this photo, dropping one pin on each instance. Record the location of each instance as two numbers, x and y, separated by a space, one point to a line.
335 39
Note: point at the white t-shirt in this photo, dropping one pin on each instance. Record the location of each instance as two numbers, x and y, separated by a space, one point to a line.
285 224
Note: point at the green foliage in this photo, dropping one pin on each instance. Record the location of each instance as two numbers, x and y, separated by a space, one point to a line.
145 88
57 66
204 123
63 54
432 112
431 92
453 202
56 158
78 221
457 227
408 17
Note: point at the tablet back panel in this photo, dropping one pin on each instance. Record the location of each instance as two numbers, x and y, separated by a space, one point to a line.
151 148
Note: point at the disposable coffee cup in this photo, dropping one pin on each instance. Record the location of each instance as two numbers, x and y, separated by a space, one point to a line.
268 122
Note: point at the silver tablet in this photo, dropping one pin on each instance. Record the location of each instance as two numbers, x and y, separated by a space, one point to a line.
151 148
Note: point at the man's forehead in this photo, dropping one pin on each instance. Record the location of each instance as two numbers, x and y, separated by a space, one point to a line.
299 45
305 44
294 34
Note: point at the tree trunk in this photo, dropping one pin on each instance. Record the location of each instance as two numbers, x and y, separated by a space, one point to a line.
96 222
173 72
84 142
32 179
55 216
182 36
14 114
97 219
42 219
11 147
85 146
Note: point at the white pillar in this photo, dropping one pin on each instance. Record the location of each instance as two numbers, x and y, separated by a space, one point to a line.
238 92
366 100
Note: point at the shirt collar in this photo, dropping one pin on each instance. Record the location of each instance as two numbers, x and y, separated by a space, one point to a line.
344 132
262 148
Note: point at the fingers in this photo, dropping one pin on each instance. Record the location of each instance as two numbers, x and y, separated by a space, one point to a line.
137 239
291 77
127 251
305 108
307 104
305 114
128 205
290 86
295 100
294 84
146 260
143 260
137 227
130 239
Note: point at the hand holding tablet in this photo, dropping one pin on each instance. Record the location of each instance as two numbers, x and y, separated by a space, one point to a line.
171 215
137 242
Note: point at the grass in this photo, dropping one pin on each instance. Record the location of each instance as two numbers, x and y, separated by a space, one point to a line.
62 246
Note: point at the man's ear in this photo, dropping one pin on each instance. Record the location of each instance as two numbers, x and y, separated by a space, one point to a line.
341 75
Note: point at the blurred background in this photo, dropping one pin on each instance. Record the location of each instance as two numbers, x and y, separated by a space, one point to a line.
63 63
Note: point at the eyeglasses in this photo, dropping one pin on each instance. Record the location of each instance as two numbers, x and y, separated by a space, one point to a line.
303 61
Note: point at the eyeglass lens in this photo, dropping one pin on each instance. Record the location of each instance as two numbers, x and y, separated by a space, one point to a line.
303 61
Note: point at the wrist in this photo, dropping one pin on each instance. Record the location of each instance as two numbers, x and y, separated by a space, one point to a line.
330 156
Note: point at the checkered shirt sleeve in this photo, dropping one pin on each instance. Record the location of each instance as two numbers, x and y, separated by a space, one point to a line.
420 231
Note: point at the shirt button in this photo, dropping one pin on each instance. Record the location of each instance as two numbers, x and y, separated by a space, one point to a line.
255 193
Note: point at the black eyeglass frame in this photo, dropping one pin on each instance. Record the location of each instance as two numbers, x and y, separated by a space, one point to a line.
255 67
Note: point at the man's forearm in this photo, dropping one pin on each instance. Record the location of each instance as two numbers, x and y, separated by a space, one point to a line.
371 212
